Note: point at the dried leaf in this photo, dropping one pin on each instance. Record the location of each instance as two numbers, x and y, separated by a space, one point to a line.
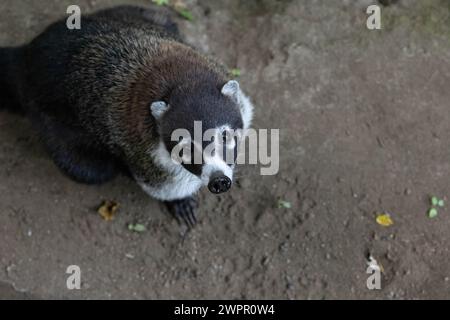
374 264
108 210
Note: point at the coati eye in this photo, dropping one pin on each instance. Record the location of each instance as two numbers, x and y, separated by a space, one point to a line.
224 137
228 139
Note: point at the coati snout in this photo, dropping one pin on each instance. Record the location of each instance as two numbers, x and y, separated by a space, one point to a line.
106 99
219 182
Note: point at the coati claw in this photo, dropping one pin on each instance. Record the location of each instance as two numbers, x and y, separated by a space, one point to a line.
184 211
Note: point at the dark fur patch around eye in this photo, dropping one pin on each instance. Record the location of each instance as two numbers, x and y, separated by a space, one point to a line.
192 167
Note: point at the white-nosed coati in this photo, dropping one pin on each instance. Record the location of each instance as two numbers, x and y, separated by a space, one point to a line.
107 97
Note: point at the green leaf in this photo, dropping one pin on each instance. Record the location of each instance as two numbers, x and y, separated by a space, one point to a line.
137 227
235 72
441 203
161 2
284 204
434 201
432 213
185 14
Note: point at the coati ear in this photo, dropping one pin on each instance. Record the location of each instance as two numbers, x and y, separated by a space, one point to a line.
231 90
158 108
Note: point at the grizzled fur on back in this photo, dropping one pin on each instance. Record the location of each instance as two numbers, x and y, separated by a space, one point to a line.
88 91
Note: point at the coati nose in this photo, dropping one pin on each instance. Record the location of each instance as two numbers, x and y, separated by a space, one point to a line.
219 183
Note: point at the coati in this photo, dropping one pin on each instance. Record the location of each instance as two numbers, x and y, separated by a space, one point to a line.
105 99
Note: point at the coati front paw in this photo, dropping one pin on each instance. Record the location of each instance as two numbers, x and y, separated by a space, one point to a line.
184 210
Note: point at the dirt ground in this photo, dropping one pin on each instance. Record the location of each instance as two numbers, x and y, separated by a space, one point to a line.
365 129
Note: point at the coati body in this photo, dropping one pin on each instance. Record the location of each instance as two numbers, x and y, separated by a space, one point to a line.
105 99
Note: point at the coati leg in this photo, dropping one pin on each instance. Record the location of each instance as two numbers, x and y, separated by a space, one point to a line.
77 156
84 164
184 210
8 95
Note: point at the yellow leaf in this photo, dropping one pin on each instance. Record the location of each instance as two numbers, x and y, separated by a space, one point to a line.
108 210
384 220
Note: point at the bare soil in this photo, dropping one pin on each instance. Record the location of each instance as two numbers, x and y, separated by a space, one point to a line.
365 128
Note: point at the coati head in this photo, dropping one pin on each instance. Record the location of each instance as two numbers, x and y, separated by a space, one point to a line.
200 128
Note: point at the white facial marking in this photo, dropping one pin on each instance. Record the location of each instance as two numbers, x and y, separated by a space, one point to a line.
246 110
230 142
216 161
180 182
158 108
213 164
